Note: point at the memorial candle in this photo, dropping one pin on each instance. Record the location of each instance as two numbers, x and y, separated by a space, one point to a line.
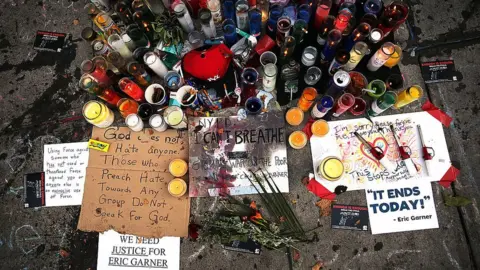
284 25
131 89
294 116
229 10
253 105
398 11
134 122
241 12
177 187
298 139
378 86
334 37
255 16
89 84
107 25
342 20
331 169
269 77
98 114
370 19
183 16
249 78
395 58
97 71
325 28
381 56
322 107
320 128
127 106
373 6
408 96
229 32
157 122
215 8
139 73
321 13
356 54
287 48
309 56
303 12
341 58
124 12
264 7
312 76
276 12
344 103
308 97
359 34
175 117
359 107
299 30
173 80
358 82
178 167
117 43
382 104
155 64
206 21
145 110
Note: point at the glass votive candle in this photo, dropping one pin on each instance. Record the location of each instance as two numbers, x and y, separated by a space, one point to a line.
268 57
373 6
157 122
173 80
344 103
288 47
177 187
303 12
375 36
322 107
145 110
309 56
275 13
178 167
229 32
342 20
320 128
356 55
175 117
283 28
308 97
299 30
156 94
333 38
395 82
358 82
155 64
298 139
395 58
255 22
97 71
98 114
134 122
341 59
358 107
378 86
313 75
116 42
322 11
196 39
269 77
408 96
249 79
206 21
127 106
132 89
331 169
294 116
253 105
241 11
381 56
381 104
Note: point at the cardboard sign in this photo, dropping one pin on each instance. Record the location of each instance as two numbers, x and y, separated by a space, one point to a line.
34 187
438 71
362 169
122 251
147 150
223 149
49 41
349 217
133 202
64 166
403 206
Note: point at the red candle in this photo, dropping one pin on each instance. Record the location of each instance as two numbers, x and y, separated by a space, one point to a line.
97 71
344 103
342 20
132 89
321 13
109 96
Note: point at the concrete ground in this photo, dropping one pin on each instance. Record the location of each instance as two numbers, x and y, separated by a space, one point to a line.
40 104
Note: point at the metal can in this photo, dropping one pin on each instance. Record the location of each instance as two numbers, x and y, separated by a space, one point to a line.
338 83
100 48
322 107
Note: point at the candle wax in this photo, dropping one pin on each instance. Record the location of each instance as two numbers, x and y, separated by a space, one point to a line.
175 117
294 116
177 187
320 128
97 112
156 121
297 139
331 169
178 167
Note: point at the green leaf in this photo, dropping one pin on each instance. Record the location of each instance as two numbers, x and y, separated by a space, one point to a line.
456 201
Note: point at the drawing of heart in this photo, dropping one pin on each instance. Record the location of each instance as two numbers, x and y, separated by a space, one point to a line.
379 142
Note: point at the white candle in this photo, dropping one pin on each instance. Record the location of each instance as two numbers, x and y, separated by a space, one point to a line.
156 122
309 56
269 77
129 42
116 42
184 17
154 63
134 122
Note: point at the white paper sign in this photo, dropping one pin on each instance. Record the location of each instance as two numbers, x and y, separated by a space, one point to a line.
64 166
124 251
362 169
402 206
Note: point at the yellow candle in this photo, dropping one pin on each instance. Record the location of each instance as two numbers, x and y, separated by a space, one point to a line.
96 113
294 116
408 96
331 168
320 128
395 58
297 140
175 118
178 167
177 187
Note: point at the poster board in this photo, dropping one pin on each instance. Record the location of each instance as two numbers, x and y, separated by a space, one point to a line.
130 194
361 168
401 206
64 166
123 251
222 149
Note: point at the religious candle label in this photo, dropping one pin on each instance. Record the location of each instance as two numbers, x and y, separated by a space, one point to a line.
222 150
403 206
64 166
123 251
134 202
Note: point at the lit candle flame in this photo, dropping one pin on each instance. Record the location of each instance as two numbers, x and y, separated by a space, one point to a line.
305 30
285 52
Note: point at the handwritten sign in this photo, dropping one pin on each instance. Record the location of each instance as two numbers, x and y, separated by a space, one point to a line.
361 168
403 206
133 202
222 149
147 150
120 251
64 166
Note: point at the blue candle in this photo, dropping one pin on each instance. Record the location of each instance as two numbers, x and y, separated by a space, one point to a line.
304 13
291 12
333 39
372 6
275 12
172 79
229 32
255 22
229 9
253 105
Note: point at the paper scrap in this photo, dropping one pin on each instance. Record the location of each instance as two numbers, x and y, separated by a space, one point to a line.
64 166
123 251
98 145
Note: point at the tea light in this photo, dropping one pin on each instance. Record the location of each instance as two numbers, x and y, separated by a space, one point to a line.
298 139
309 56
157 122
294 116
331 169
177 187
320 128
178 167
134 122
